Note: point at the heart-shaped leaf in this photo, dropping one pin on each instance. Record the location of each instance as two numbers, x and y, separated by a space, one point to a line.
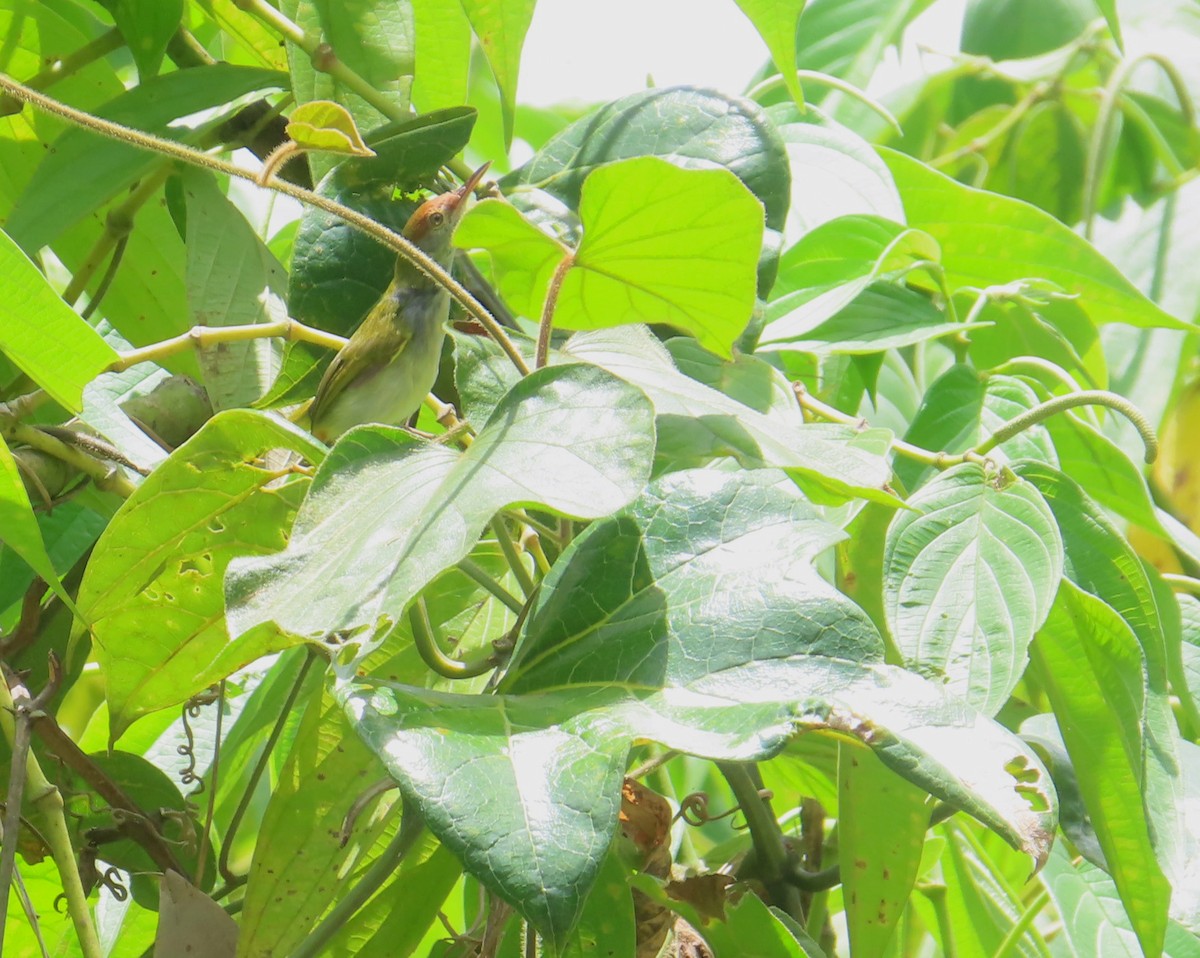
664 245
385 515
693 618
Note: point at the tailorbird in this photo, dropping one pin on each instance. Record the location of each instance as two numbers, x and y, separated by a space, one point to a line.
388 367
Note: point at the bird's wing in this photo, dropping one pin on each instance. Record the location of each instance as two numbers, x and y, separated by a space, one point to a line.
355 363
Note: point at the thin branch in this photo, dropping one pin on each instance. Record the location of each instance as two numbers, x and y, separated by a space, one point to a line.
432 654
1089 397
479 575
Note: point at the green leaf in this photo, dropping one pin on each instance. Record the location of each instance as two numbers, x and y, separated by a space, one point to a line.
300 865
418 509
698 423
1029 323
969 578
67 532
1042 732
147 26
881 834
152 589
666 245
1101 562
232 280
961 408
324 125
443 54
831 266
835 172
752 928
630 638
1094 921
775 21
1189 608
693 128
501 26
57 196
606 924
848 38
374 40
337 272
43 336
881 317
1090 665
981 904
19 528
1017 29
523 255
989 240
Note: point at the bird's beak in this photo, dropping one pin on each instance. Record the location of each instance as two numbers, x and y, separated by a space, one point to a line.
472 181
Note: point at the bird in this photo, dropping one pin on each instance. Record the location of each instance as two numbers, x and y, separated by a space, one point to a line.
388 367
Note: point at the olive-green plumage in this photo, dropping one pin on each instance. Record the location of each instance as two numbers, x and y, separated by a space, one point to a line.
385 371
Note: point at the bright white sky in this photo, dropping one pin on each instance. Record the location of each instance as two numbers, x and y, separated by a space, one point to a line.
593 52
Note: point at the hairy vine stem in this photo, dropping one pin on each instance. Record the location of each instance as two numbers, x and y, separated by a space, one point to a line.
389 238
547 323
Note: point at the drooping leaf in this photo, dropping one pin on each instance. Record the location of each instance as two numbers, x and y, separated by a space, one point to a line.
232 280
43 336
631 637
1098 464
1090 665
988 240
152 589
501 26
147 25
1101 562
443 54
969 577
881 833
775 21
418 509
666 245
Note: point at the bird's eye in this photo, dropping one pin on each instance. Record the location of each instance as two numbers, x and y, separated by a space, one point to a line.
436 218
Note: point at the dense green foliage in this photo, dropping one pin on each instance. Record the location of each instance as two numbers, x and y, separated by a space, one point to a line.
789 456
